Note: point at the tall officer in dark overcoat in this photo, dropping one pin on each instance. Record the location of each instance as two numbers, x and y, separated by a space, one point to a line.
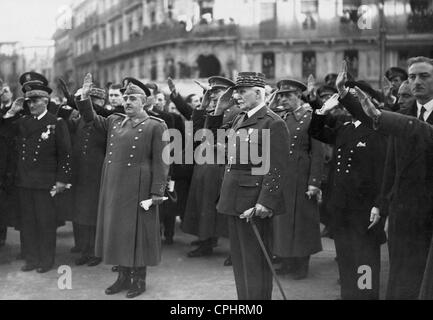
358 163
297 233
88 153
43 170
201 218
248 192
133 171
407 189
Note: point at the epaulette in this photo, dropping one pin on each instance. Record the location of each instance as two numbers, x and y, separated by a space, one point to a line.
155 118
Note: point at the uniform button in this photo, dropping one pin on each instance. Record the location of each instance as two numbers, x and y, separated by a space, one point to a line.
293 144
133 147
112 135
338 163
34 160
24 151
301 122
114 127
131 156
339 150
38 146
297 129
338 170
347 171
136 138
24 145
84 152
129 164
295 137
109 161
24 158
111 144
36 153
140 130
349 165
350 159
339 157
351 151
291 152
85 146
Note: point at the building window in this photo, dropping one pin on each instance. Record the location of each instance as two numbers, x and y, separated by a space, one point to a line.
120 33
206 11
153 17
169 68
349 11
309 11
268 20
351 56
131 67
153 70
308 64
142 72
268 64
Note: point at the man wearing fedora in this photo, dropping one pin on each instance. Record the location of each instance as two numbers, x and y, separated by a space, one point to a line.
297 233
43 171
250 197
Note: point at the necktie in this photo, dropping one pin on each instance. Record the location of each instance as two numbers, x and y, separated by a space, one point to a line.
243 118
421 115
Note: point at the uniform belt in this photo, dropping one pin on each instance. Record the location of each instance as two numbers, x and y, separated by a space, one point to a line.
241 166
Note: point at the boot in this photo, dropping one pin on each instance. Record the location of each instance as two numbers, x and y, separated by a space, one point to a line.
123 282
288 265
301 268
138 285
205 249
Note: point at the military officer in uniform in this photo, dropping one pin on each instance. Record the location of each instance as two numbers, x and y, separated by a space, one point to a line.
133 171
201 218
297 233
249 194
355 200
88 153
43 171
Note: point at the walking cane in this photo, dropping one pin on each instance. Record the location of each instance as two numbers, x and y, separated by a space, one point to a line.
265 253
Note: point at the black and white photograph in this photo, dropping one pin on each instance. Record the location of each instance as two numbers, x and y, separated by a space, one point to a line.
214 155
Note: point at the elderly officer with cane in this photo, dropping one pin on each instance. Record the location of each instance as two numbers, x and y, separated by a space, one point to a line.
248 193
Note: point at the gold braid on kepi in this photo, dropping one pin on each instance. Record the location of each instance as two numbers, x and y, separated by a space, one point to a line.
36 89
133 89
250 79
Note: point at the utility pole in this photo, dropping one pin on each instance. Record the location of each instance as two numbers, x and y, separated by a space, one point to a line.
382 41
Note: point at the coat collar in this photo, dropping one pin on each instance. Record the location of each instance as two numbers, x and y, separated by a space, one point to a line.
254 119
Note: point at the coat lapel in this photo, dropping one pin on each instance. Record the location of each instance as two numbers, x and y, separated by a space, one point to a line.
254 119
33 125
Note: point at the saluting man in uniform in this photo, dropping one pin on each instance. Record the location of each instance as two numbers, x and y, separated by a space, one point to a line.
297 234
358 162
247 194
43 147
126 235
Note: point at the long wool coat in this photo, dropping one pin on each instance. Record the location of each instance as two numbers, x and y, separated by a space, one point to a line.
133 171
297 234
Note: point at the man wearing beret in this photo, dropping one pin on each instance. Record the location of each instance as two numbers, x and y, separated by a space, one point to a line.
127 235
43 171
297 233
251 189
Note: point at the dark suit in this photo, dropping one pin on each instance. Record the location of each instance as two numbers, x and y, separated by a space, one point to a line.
43 148
357 173
407 127
241 190
407 194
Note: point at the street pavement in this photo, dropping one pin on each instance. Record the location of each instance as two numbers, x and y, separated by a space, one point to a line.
176 278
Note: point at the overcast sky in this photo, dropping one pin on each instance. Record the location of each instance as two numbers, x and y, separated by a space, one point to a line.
27 20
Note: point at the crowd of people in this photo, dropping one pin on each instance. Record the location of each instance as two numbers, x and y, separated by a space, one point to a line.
340 153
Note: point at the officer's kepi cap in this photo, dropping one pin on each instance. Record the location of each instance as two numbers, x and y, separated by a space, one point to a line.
33 77
326 90
133 89
290 85
220 83
36 90
130 80
250 79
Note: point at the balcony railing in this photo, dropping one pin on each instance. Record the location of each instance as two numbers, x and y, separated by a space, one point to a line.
158 35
